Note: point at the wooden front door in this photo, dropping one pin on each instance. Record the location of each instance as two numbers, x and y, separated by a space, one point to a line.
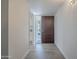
47 29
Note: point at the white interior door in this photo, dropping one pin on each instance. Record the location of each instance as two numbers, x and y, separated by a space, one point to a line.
37 23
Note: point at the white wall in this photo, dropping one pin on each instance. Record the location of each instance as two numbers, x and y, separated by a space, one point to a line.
66 30
18 28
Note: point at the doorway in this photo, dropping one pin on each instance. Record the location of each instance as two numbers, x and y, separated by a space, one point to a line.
37 29
44 29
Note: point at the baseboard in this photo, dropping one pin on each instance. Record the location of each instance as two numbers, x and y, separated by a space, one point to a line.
5 57
26 54
61 51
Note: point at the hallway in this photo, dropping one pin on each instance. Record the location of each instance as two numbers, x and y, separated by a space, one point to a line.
44 51
18 29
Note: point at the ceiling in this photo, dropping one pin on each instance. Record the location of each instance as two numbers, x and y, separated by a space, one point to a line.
45 7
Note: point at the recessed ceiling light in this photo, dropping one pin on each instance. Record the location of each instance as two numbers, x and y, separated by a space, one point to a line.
72 2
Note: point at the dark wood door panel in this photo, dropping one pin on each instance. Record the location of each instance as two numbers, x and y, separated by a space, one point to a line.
47 29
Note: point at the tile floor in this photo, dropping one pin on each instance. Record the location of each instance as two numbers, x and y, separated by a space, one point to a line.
44 51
